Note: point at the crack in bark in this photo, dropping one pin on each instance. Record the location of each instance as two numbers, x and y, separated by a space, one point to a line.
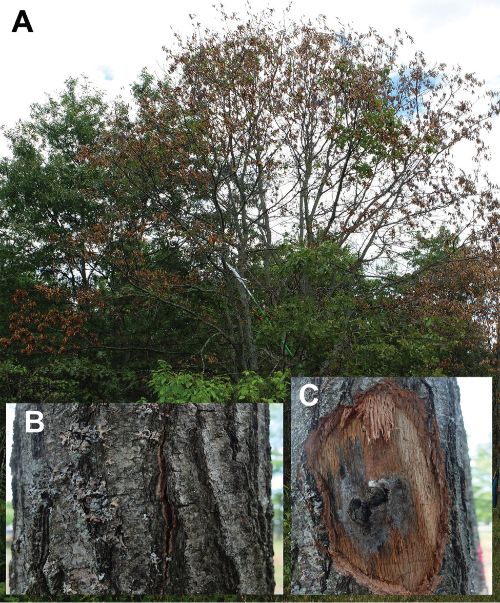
44 541
167 507
160 514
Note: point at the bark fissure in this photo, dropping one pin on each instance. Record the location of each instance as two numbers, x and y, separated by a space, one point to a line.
230 430
167 508
44 535
228 566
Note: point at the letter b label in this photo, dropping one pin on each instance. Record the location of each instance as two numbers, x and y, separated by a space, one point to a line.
34 423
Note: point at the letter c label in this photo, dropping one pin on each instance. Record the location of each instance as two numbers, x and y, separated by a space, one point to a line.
302 394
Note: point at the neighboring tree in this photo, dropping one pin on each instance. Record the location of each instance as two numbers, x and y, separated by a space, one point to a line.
435 319
138 499
453 288
48 189
381 489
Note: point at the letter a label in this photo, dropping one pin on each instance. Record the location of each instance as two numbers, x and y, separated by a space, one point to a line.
34 422
22 21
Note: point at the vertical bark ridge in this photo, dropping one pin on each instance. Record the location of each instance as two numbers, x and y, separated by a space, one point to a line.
227 567
248 424
39 553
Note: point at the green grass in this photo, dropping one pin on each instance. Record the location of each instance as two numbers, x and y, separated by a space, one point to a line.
9 513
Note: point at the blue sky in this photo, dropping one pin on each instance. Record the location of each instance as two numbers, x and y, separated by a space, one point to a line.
112 41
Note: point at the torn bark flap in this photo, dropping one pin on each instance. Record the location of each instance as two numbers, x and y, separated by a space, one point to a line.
379 468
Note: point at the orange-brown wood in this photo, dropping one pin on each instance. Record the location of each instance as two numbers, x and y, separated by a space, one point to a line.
379 468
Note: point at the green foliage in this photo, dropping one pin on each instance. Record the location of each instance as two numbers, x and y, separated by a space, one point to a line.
131 212
65 379
174 387
141 209
481 482
338 320
9 513
179 388
431 250
277 500
277 461
47 187
11 378
255 388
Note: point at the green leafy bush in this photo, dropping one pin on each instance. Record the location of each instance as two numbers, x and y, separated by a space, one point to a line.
179 388
182 387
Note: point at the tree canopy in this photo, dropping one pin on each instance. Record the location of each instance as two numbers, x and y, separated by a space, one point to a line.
286 196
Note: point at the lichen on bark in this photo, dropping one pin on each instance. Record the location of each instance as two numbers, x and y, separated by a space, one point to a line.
142 499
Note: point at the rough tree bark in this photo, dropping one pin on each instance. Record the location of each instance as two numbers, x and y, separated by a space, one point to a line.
381 489
142 499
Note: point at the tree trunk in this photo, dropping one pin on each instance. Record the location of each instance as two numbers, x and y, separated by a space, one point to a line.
142 499
381 489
